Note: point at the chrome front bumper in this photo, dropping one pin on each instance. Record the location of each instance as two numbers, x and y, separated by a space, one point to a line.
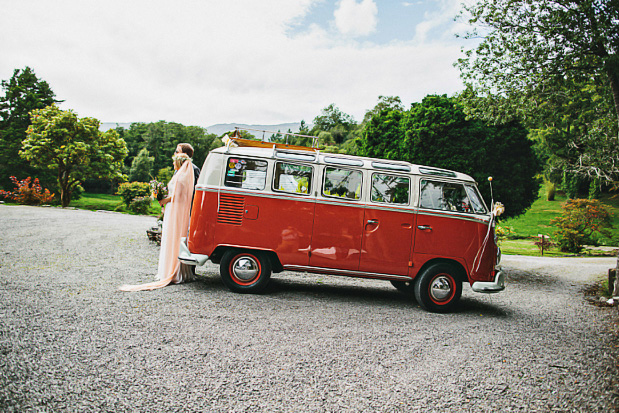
490 286
186 257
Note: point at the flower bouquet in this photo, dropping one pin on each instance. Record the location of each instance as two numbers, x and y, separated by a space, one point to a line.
158 190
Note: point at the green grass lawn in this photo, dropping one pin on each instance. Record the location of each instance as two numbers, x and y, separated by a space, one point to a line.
107 202
537 221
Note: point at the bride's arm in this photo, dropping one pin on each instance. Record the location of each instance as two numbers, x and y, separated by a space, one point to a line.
165 200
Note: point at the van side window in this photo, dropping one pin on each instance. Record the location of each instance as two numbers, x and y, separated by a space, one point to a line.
390 189
296 179
246 173
446 196
343 183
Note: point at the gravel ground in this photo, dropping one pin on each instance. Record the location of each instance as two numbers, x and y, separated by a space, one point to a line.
70 341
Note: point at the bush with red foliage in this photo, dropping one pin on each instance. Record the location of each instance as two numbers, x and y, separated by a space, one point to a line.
27 193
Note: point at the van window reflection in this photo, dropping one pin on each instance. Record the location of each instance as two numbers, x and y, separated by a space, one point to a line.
390 189
296 179
446 196
342 183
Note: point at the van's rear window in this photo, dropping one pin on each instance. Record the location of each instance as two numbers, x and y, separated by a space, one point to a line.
246 173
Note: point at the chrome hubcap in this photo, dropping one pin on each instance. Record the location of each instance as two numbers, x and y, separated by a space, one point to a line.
440 289
245 268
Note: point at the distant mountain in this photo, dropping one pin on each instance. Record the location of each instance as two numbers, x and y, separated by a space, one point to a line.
112 125
221 128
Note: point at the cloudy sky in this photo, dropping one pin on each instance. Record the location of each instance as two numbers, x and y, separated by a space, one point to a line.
201 62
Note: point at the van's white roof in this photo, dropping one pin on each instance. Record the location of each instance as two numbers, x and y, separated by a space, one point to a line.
355 161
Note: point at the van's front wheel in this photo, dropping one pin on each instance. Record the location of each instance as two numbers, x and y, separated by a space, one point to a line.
438 288
245 271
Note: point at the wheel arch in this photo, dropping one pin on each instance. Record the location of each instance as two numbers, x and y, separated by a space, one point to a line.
462 274
220 250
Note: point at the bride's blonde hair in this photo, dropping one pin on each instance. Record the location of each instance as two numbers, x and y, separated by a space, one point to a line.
179 159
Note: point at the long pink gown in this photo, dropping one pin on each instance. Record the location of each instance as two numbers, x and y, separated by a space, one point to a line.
175 226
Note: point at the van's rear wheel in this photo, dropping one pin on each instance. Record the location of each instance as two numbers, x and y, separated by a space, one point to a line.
438 288
245 271
407 287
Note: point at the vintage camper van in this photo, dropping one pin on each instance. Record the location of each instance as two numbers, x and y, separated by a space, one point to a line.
261 208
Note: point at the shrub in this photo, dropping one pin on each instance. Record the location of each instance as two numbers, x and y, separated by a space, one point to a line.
580 221
544 243
27 194
140 204
503 232
129 191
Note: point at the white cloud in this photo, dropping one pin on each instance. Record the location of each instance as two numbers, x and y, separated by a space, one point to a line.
438 18
356 19
208 61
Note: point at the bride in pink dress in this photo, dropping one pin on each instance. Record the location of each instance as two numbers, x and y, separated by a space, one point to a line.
175 226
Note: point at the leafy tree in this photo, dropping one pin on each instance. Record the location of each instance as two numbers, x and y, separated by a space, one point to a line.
384 103
161 138
436 132
24 92
303 128
553 65
72 147
141 167
333 120
531 47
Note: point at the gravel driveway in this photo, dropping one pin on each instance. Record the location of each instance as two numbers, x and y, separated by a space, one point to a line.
69 341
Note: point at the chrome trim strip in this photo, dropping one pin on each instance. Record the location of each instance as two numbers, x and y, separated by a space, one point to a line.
352 273
448 214
260 194
393 208
340 203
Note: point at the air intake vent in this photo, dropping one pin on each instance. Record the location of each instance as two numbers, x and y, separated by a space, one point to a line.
231 209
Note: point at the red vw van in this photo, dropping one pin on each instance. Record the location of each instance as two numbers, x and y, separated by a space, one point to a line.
261 208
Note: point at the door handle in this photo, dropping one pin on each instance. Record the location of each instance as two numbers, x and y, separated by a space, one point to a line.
372 221
424 227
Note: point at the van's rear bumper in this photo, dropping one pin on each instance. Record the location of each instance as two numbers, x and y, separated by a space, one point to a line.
186 257
490 286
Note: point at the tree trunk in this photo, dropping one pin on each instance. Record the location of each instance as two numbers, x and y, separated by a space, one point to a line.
613 78
65 188
65 197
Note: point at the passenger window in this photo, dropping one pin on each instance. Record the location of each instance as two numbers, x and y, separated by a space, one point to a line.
390 189
246 173
296 179
446 196
343 183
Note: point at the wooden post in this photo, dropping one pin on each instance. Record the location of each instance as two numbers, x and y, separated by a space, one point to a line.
616 281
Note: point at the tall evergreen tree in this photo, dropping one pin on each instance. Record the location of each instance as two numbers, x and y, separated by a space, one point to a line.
23 92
